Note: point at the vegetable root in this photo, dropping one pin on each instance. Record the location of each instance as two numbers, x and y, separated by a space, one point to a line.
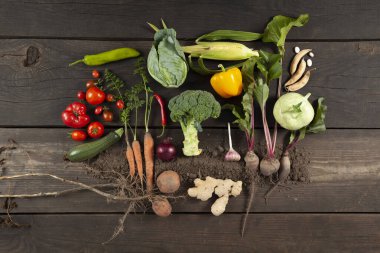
139 163
149 160
168 181
268 166
297 58
283 173
251 165
204 189
161 207
251 162
131 160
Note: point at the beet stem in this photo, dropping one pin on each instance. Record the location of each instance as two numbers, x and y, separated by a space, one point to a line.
266 132
279 85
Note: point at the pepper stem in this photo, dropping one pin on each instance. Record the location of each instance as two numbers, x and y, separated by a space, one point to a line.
222 67
76 62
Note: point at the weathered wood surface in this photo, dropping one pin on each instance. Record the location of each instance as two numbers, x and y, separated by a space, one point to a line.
36 88
357 233
115 19
38 38
361 196
344 179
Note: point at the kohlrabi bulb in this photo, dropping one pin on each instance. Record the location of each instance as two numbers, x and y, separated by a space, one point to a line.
293 111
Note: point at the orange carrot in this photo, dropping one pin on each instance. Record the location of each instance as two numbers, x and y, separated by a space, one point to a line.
131 160
138 158
149 160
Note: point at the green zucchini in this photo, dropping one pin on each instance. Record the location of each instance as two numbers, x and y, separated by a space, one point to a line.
89 150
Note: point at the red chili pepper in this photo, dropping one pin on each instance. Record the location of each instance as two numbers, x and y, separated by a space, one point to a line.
161 102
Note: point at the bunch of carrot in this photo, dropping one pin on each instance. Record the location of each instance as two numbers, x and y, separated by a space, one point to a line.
133 102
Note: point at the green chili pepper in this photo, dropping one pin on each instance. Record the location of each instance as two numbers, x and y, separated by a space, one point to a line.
108 56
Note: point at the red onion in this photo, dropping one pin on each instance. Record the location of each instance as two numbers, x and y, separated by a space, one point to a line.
165 150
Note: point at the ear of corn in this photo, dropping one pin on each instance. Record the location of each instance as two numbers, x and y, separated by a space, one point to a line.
227 51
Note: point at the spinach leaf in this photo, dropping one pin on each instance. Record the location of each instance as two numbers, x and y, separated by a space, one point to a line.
278 28
166 60
318 123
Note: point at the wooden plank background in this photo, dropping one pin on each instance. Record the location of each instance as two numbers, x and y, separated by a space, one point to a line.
336 212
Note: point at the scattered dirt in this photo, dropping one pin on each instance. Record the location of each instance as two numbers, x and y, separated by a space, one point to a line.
299 171
206 164
108 165
209 163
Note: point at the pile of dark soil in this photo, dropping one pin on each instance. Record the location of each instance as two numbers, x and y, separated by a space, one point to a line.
209 163
299 171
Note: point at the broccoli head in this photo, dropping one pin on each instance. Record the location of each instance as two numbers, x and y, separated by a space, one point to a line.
190 109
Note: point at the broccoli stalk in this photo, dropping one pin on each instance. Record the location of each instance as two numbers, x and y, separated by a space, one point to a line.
190 109
190 144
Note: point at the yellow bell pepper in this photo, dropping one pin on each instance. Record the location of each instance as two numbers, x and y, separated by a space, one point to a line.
228 83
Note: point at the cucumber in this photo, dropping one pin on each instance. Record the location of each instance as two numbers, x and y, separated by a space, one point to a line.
89 150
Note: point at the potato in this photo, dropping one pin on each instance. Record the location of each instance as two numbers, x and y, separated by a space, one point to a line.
161 207
168 181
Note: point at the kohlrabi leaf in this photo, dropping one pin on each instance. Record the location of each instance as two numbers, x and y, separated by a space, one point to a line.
318 123
302 133
278 28
261 93
292 136
269 65
230 35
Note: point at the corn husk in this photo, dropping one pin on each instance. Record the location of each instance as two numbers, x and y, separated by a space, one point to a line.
225 51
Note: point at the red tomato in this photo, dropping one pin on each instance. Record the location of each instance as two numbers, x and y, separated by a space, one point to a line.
75 115
110 98
120 104
78 135
95 96
90 84
95 129
107 116
81 95
98 110
95 74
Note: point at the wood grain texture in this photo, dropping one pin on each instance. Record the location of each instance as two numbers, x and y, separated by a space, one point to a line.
126 19
196 233
37 84
359 196
344 179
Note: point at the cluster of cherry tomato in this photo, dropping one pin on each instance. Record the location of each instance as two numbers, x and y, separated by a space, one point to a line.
75 114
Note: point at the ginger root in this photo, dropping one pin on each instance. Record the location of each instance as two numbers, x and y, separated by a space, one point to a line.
204 189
